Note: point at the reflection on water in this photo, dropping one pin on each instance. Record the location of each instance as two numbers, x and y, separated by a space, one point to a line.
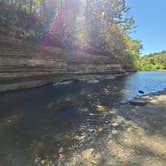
38 122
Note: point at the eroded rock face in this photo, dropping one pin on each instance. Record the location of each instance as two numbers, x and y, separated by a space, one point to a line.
28 65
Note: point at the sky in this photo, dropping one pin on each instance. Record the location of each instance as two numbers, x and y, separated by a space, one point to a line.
150 19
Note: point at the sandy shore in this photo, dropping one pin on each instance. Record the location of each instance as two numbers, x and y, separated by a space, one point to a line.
134 136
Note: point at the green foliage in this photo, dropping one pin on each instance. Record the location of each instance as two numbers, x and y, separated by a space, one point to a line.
156 61
132 53
17 22
8 20
108 27
101 26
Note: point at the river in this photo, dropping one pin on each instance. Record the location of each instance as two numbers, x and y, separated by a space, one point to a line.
36 123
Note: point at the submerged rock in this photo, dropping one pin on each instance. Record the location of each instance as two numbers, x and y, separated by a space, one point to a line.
115 124
114 132
123 102
100 77
106 91
138 102
79 138
66 82
100 108
62 83
93 81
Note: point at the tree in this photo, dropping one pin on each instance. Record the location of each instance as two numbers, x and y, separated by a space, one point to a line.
30 6
92 24
153 61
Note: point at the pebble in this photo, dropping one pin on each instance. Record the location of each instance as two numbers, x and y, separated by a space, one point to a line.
42 162
115 124
100 108
133 110
79 138
114 132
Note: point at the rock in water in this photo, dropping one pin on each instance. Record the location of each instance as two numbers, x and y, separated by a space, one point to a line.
93 81
100 108
138 102
141 92
114 132
62 83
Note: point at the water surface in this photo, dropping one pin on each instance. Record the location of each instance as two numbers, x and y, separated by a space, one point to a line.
38 122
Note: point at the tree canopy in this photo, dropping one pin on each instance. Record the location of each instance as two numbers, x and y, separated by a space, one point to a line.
155 61
101 26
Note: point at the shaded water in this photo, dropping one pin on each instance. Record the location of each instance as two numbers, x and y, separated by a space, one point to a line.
38 122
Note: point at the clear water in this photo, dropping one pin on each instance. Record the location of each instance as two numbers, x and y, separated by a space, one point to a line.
37 122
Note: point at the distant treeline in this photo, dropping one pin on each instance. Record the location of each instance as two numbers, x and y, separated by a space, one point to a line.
155 61
90 25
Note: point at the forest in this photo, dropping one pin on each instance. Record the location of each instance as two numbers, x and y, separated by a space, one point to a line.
90 25
155 61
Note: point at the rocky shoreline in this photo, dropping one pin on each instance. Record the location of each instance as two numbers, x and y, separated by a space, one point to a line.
134 135
56 79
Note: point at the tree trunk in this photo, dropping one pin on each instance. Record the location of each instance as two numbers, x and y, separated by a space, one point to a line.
30 6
